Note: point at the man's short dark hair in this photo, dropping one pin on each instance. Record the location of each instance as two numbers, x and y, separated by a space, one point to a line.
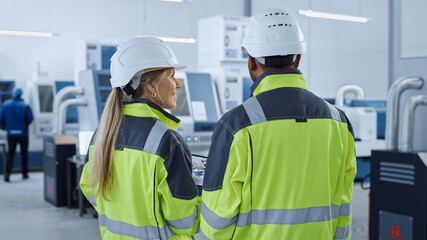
277 61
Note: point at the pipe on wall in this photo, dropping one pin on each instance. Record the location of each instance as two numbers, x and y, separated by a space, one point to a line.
342 91
57 100
392 115
407 141
63 110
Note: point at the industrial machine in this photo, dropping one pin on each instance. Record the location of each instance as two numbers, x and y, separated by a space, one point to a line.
380 108
220 54
233 86
99 52
198 109
42 93
96 84
220 40
58 130
398 198
56 150
364 121
6 88
71 116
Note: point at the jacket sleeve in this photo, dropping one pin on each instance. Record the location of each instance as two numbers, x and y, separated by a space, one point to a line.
226 172
177 191
2 120
343 229
29 115
85 182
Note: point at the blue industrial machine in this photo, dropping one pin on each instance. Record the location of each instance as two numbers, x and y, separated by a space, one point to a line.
97 88
71 115
6 89
363 163
98 54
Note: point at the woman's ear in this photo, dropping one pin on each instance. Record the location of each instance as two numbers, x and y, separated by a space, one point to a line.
150 86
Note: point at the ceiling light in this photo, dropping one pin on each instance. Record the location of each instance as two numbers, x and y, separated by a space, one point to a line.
178 40
26 33
176 0
310 13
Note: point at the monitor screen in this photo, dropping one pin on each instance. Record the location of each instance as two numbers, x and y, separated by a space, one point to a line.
45 98
5 97
106 54
181 102
203 102
104 80
6 87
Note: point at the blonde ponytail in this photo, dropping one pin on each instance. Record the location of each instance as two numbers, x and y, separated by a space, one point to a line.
105 141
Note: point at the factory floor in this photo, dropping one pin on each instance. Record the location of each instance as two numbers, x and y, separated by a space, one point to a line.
26 215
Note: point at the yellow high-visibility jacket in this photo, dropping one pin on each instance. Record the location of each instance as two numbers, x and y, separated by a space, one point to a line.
153 195
280 166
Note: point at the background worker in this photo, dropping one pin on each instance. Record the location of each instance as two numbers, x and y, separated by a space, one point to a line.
15 117
138 177
282 164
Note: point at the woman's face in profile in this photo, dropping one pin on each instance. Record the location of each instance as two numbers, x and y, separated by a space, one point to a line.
167 89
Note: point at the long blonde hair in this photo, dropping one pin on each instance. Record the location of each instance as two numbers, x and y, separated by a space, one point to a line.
106 135
105 141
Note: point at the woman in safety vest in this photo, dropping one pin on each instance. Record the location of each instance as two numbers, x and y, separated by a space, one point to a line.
138 177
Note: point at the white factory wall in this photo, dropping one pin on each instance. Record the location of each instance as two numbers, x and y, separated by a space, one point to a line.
79 20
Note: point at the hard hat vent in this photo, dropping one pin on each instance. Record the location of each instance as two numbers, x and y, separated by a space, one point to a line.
275 14
273 32
280 25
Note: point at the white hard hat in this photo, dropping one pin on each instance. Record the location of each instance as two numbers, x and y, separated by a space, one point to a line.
273 32
138 54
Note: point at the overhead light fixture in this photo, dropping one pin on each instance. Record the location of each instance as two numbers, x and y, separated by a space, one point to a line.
324 15
176 0
26 33
178 40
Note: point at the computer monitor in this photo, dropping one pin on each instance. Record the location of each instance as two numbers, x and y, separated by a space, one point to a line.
45 94
181 101
197 108
6 89
41 95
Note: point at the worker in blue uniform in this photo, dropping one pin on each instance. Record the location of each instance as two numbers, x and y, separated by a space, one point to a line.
15 118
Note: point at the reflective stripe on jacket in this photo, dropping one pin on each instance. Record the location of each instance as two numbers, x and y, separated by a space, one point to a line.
280 166
15 117
153 195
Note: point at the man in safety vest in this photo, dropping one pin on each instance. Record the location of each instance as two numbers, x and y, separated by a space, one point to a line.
282 164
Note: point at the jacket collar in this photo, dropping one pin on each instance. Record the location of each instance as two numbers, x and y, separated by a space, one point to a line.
269 81
145 108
